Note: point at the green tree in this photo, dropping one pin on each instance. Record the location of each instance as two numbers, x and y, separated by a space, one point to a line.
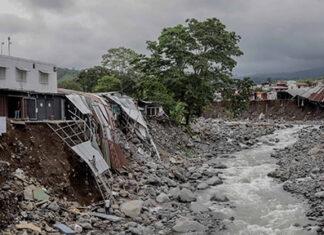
193 61
121 61
107 84
150 89
69 84
237 96
88 78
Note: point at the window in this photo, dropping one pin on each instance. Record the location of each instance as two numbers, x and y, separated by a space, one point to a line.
21 75
43 78
2 73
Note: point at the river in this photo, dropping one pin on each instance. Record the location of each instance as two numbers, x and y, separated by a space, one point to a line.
258 203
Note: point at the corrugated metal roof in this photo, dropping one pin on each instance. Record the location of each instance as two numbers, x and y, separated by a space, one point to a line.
86 151
314 94
296 92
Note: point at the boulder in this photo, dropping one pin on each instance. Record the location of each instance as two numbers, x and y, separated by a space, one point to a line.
319 194
132 208
162 198
215 180
216 196
186 195
202 186
186 226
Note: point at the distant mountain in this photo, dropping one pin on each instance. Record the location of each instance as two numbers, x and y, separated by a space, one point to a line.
310 73
64 74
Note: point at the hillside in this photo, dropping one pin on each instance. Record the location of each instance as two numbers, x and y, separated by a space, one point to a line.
310 73
65 74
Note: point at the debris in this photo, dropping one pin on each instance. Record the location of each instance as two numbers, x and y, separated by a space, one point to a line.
111 218
78 228
28 192
29 226
40 195
54 206
64 229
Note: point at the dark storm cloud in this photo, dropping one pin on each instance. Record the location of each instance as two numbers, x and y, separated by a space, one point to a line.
50 5
277 35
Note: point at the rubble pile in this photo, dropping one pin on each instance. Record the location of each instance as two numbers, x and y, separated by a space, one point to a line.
301 168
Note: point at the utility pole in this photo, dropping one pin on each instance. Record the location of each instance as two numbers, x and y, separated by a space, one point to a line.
2 43
9 43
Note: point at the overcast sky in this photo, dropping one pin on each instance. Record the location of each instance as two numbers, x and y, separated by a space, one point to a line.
277 35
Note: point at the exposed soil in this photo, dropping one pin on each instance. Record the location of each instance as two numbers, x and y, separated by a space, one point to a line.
41 154
272 109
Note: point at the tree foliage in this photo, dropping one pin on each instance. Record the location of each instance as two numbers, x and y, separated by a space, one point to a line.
121 62
88 78
107 84
69 84
192 61
149 88
237 96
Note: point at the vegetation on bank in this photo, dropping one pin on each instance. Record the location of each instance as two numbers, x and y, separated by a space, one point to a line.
186 65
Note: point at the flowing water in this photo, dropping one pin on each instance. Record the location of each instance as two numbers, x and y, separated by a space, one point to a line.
261 206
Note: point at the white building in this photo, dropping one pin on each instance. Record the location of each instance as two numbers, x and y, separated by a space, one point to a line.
27 75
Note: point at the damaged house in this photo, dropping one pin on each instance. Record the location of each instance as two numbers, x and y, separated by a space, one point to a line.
28 90
87 123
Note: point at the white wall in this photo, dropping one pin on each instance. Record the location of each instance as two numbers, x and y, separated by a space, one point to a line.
33 76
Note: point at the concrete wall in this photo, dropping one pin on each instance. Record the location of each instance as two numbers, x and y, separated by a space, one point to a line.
32 82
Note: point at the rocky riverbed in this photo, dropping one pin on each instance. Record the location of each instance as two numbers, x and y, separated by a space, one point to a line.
155 196
301 168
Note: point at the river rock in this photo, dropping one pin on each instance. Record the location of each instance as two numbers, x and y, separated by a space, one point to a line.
132 208
186 195
214 181
319 194
186 225
217 196
162 198
202 186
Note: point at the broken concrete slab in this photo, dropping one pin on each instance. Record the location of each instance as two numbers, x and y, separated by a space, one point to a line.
111 218
64 229
40 195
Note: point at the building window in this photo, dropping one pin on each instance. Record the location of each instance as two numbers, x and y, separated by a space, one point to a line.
2 73
43 78
21 75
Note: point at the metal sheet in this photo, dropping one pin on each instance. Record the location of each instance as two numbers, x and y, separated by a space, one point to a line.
128 106
117 157
86 151
79 103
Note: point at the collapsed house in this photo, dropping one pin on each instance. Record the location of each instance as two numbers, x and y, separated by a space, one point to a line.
85 122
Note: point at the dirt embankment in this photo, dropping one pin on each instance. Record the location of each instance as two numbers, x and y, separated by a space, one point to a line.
272 109
36 150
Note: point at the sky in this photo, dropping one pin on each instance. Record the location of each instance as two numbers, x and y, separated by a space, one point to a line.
277 35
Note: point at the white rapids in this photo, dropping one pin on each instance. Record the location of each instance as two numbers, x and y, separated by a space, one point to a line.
261 206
